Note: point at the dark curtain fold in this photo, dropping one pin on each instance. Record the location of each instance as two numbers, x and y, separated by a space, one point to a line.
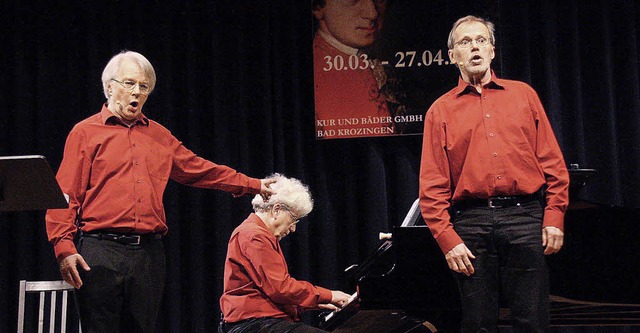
582 57
235 85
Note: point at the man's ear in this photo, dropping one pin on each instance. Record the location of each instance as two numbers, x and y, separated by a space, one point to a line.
452 57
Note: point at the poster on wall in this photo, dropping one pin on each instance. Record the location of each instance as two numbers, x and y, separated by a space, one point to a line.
379 64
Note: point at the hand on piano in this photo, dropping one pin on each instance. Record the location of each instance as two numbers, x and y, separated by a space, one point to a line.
336 309
339 298
328 306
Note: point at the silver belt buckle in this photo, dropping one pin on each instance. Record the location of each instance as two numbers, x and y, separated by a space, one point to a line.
137 237
490 203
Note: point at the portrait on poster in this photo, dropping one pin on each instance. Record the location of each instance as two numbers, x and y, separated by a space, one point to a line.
378 65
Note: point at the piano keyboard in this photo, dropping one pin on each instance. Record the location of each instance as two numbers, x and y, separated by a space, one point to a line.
351 299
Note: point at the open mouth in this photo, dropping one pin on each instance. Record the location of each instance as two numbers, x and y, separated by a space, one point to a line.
476 59
134 104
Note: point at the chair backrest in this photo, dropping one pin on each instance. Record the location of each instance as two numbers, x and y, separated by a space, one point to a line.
48 290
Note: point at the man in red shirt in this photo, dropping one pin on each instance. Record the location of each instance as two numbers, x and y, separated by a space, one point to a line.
259 294
493 186
115 168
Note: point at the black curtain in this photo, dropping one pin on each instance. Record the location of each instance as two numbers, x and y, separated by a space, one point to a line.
235 85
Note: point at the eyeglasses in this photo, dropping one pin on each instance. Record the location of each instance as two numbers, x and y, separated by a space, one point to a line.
130 85
465 43
296 219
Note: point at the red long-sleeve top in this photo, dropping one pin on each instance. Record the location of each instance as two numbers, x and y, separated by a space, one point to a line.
256 278
116 175
498 143
347 99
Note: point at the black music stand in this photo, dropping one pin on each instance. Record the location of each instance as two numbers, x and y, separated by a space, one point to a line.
579 177
577 180
28 183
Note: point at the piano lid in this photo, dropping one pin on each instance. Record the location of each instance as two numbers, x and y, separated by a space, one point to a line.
405 280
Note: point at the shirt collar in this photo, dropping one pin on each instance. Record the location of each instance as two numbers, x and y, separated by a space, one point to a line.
336 43
109 118
465 88
255 219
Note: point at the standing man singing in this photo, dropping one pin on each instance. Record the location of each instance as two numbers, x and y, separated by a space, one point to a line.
493 186
115 168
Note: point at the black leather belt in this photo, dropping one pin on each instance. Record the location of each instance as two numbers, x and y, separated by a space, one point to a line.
126 239
227 327
498 202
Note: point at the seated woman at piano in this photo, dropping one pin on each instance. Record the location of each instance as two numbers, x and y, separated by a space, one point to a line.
259 294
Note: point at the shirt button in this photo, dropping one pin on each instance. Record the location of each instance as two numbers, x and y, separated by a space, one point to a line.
491 135
495 154
134 144
499 177
136 163
138 181
488 115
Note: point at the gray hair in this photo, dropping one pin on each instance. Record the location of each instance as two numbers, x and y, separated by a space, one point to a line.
290 192
470 18
113 66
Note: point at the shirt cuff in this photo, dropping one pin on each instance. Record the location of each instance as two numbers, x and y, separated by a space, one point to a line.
553 218
63 249
256 185
448 240
253 186
324 295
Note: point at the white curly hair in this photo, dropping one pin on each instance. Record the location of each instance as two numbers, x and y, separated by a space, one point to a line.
290 192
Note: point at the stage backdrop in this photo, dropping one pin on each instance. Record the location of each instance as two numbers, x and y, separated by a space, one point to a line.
235 84
380 82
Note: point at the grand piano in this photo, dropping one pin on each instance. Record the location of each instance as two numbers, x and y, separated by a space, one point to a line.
405 285
594 277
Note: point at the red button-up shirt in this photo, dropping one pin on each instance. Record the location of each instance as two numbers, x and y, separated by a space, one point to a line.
257 281
116 175
498 143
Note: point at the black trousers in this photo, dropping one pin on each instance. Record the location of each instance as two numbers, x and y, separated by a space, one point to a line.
266 325
123 290
510 263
